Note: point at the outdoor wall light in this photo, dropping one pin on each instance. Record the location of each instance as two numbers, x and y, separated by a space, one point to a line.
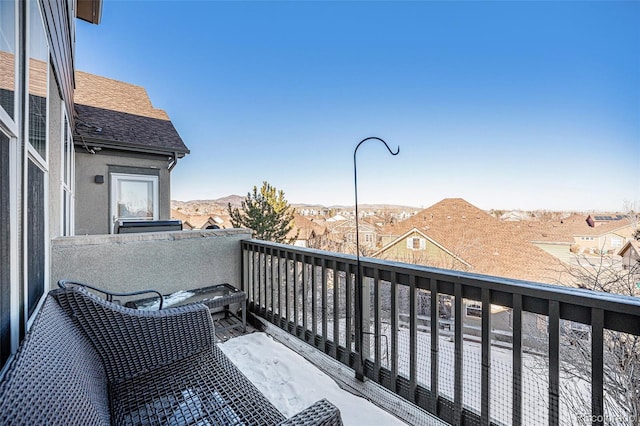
98 179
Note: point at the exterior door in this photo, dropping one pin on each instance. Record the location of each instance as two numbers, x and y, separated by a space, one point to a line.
133 198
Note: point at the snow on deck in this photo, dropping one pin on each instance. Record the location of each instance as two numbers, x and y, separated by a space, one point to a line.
292 383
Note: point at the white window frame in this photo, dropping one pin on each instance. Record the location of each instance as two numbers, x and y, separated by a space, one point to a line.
67 184
475 306
14 264
113 205
42 163
38 159
422 243
10 127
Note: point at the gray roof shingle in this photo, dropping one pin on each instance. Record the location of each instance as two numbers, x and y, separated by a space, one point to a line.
121 115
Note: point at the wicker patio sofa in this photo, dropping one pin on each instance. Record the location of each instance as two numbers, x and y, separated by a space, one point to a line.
87 361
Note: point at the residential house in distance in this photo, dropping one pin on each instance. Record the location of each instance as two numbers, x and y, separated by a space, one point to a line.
604 236
553 238
125 152
202 221
576 234
630 254
454 234
309 233
343 236
206 222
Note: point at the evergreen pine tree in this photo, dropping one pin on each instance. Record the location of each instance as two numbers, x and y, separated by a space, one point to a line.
267 213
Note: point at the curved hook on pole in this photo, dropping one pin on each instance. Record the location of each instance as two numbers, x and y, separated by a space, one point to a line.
378 139
358 289
355 181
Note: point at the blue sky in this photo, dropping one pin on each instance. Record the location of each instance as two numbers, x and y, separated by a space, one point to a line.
506 104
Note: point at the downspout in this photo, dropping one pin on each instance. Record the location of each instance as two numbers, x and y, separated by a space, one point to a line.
174 161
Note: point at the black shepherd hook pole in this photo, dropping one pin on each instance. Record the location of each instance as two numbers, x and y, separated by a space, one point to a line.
358 289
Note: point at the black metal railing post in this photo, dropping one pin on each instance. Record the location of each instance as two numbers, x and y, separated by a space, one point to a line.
358 289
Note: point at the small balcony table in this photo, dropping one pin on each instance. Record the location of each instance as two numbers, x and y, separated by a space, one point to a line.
214 297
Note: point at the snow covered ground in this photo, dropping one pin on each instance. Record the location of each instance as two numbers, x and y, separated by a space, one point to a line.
292 383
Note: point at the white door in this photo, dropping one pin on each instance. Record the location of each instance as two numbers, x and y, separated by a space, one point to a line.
133 198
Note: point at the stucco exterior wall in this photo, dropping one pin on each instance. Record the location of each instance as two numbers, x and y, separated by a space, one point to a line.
93 199
611 241
164 261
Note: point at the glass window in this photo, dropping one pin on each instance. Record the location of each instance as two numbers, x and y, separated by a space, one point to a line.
134 197
35 235
474 309
38 80
8 56
5 247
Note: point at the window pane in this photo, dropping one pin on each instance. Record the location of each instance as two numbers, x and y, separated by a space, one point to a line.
38 74
65 153
135 199
35 235
7 56
5 245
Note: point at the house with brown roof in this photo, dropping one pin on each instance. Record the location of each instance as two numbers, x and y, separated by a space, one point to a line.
308 232
454 234
606 237
566 237
202 221
125 150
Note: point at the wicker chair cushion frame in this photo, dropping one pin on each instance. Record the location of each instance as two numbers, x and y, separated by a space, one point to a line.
89 361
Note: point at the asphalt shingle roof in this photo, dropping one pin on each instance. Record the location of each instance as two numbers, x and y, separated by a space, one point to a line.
121 114
488 245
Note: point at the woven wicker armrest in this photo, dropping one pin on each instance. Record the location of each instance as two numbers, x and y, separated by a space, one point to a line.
322 413
132 342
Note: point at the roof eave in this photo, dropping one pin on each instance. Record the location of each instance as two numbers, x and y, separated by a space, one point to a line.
125 146
89 11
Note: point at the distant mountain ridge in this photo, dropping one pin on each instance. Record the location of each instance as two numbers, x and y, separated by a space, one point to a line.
216 205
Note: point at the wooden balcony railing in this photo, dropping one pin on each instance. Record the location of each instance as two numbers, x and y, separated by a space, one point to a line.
471 349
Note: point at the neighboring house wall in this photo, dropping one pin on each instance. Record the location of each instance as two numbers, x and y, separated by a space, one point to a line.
120 134
608 242
93 200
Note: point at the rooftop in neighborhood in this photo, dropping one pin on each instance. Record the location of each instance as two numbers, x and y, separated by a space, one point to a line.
485 243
